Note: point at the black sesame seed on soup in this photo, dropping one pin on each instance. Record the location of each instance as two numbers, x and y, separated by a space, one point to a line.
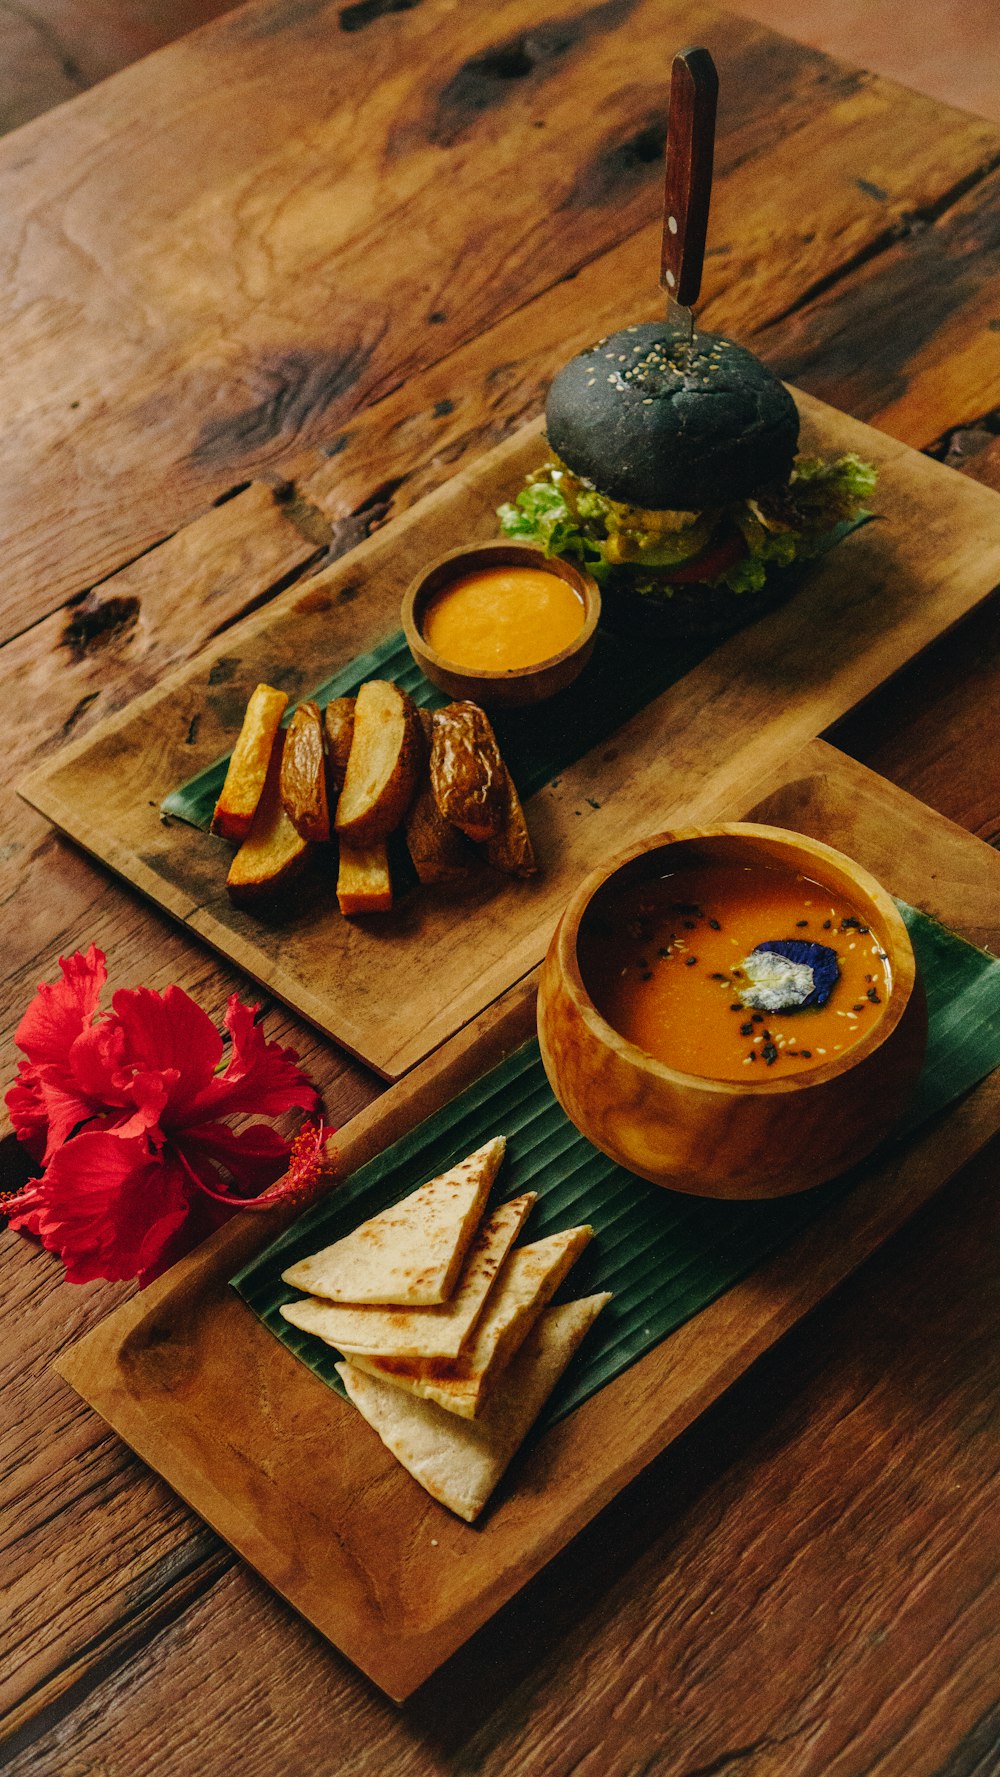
734 971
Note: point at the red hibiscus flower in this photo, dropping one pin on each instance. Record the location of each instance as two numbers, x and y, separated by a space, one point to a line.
124 1112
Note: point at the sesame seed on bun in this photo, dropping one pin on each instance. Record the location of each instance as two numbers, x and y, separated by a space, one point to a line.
655 429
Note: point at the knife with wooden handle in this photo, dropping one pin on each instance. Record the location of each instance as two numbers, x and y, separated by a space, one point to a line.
694 91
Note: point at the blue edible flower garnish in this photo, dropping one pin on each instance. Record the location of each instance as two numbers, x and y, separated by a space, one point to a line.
788 974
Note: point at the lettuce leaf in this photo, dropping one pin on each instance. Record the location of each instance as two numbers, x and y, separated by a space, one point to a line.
562 515
541 516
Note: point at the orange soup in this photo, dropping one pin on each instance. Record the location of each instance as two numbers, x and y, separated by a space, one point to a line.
497 619
733 971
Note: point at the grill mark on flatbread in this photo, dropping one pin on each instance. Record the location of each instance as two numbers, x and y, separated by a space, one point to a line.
529 1279
439 1331
460 1461
410 1254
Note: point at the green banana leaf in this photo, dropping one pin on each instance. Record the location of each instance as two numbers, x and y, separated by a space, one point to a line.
664 1255
622 676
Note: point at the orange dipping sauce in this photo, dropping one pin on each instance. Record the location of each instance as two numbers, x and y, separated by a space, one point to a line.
662 962
498 619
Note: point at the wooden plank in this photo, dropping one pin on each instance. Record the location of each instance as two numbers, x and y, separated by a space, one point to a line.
931 368
925 310
181 1696
827 1514
950 53
934 728
57 48
51 691
391 994
250 312
54 900
71 1614
63 901
375 1586
124 1538
87 662
77 664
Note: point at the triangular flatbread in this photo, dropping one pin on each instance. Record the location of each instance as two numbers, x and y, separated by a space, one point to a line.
410 1254
421 1332
526 1286
460 1461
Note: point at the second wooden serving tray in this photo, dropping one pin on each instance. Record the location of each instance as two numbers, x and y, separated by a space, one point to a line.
288 1473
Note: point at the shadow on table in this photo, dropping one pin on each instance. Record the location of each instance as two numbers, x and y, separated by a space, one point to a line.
770 1405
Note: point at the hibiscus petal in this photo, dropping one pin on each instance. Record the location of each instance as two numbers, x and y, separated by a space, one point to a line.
262 1078
62 1095
65 1106
95 1059
255 1157
107 1207
149 1095
27 1109
205 1214
60 1010
56 1018
169 1034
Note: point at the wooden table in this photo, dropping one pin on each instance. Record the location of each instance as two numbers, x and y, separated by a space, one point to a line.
260 291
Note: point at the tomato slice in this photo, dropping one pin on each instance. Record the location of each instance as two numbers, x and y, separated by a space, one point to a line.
712 562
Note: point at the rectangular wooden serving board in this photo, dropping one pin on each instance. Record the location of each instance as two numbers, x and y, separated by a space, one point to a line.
287 1472
392 988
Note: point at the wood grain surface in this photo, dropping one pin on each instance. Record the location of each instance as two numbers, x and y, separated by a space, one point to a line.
388 1575
805 1585
391 989
225 318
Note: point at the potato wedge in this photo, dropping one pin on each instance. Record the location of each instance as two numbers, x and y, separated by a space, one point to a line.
511 849
440 853
384 763
273 852
363 881
248 763
338 720
468 776
303 775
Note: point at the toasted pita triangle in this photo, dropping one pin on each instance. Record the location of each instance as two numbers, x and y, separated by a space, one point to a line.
460 1461
410 1254
526 1285
440 1331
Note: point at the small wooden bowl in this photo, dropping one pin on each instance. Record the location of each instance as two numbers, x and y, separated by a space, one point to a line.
726 1138
522 684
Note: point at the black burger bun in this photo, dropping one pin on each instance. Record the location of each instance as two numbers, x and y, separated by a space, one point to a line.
649 429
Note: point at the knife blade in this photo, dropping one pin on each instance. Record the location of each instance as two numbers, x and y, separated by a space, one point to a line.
687 194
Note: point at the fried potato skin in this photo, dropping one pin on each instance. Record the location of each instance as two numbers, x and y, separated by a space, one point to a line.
439 852
468 776
511 849
273 852
303 775
248 763
338 721
384 763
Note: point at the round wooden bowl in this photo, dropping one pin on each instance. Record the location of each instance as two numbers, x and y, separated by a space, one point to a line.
522 684
726 1138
